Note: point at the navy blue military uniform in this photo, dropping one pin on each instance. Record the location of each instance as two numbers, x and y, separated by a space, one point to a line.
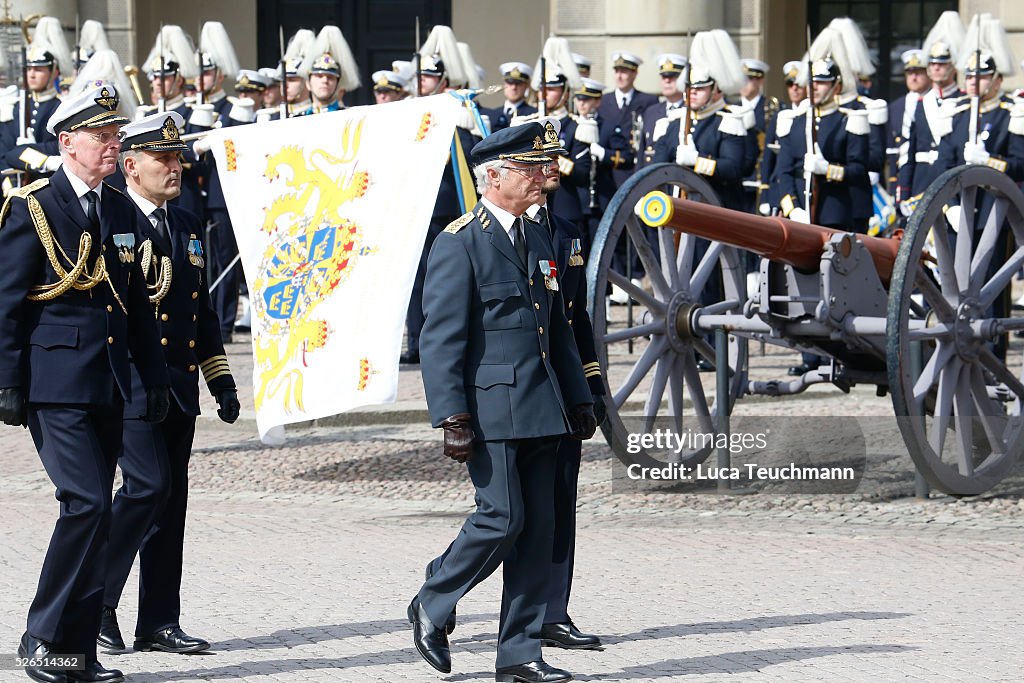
149 508
26 157
1005 146
726 148
845 147
920 147
574 170
617 137
500 118
496 345
70 356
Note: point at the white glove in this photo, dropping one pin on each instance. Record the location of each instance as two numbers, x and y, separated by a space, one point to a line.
906 209
586 131
799 215
873 178
953 215
686 155
816 163
201 146
597 150
764 208
51 164
203 115
29 138
975 153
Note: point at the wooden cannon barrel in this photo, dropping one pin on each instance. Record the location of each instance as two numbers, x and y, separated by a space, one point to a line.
773 237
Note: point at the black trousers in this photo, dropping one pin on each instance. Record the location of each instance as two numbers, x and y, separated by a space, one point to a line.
563 551
78 446
149 517
223 251
512 528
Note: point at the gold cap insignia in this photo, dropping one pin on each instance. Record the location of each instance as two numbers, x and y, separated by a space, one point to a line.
169 130
550 136
106 100
538 145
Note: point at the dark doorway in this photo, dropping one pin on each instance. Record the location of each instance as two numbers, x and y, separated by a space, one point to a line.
889 28
378 31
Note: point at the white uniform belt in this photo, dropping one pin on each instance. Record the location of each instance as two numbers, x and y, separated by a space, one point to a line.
926 157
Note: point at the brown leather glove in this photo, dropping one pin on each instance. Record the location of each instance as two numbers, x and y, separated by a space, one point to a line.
583 421
458 437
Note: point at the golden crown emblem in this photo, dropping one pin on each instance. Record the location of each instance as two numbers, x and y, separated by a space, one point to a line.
169 131
106 100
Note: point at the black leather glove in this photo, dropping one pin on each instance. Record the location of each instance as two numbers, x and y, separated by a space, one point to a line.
458 437
600 412
12 407
583 421
157 403
229 405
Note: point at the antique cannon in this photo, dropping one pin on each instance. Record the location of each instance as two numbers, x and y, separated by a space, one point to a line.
925 317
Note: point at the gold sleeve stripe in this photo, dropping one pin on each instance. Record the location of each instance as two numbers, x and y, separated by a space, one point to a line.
787 205
705 166
835 173
213 359
592 373
594 364
996 163
210 376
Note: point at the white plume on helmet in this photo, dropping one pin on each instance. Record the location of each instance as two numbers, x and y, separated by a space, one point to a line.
442 43
557 60
93 37
299 47
830 45
214 41
988 33
331 41
105 65
49 36
714 53
949 29
856 46
178 47
473 81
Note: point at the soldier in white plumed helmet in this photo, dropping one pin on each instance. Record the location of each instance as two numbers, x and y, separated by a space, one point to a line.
715 138
658 116
794 75
903 108
843 43
332 71
171 61
919 149
24 141
997 139
92 37
217 61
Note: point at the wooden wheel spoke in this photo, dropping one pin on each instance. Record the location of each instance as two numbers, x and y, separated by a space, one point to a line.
944 404
1001 373
701 345
1001 279
706 267
675 389
647 256
684 259
964 421
933 296
930 373
638 293
987 243
990 413
668 257
965 239
944 259
695 388
640 369
634 332
652 406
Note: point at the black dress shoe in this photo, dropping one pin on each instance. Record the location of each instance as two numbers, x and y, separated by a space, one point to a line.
31 647
568 636
409 358
532 672
109 637
431 642
94 672
449 625
705 365
171 639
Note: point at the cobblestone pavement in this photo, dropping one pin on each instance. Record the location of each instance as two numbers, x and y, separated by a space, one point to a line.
300 561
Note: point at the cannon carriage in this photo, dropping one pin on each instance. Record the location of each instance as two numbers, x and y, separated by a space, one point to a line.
925 317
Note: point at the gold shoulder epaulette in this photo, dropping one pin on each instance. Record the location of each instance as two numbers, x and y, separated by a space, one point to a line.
459 223
23 192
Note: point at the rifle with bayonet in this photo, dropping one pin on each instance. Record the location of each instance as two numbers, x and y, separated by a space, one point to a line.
810 137
283 68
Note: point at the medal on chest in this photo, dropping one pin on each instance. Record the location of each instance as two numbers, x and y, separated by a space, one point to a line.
550 271
576 253
195 253
125 243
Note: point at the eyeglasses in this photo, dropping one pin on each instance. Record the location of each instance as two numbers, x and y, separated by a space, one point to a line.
104 138
538 171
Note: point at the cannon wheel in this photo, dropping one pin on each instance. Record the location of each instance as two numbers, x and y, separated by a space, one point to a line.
960 414
661 331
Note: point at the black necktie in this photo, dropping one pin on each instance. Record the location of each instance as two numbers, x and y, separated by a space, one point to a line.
520 244
542 218
92 211
161 225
